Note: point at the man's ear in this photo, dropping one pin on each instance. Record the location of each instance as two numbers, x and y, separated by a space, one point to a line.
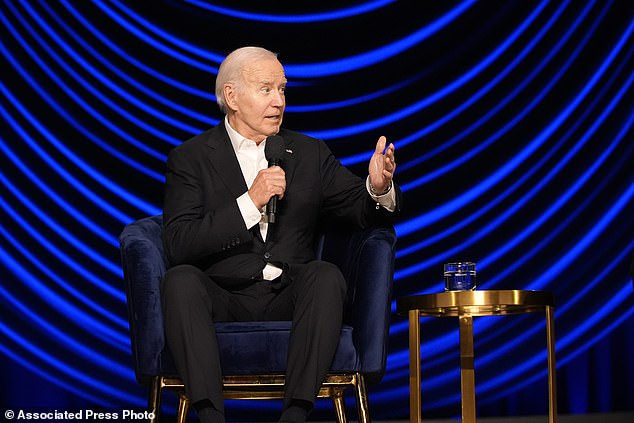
230 93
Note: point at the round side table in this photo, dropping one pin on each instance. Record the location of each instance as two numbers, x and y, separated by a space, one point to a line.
465 305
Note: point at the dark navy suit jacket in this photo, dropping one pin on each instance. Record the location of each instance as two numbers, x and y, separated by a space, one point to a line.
204 227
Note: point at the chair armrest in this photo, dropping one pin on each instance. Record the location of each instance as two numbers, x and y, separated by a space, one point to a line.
143 269
367 262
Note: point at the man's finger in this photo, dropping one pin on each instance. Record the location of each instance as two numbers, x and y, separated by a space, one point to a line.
380 144
389 152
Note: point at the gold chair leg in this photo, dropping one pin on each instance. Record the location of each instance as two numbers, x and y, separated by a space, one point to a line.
362 399
183 407
154 399
340 408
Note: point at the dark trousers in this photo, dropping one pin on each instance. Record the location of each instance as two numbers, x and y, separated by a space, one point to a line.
313 300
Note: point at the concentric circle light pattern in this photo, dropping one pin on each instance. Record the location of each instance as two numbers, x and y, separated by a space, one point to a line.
513 126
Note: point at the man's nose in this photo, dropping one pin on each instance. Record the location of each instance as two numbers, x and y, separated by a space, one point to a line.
278 99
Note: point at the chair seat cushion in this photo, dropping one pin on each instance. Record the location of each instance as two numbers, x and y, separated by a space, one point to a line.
261 347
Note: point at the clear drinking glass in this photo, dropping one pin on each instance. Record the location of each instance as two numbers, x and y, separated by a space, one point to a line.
460 276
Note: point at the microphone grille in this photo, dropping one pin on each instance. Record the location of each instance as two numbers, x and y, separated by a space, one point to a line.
274 148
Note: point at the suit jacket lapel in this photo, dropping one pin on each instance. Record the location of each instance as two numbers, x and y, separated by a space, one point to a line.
224 161
288 162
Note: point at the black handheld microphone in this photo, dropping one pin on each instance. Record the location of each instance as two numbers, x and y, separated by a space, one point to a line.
273 151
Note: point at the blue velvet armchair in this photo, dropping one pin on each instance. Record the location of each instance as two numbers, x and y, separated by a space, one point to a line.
253 354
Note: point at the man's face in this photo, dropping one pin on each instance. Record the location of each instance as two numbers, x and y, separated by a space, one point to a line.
258 106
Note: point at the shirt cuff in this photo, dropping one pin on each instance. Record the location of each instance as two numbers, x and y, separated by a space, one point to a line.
250 213
387 200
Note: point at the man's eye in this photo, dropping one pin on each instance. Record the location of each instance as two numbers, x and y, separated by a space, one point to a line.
265 89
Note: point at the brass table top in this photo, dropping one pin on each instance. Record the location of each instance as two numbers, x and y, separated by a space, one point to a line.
485 302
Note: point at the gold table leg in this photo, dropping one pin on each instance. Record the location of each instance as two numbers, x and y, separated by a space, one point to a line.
467 369
414 367
552 369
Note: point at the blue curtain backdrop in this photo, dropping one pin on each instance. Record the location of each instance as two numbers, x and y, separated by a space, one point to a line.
513 126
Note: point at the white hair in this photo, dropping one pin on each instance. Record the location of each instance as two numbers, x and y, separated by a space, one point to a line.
230 70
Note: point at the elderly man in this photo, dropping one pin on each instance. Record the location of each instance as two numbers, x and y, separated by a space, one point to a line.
230 263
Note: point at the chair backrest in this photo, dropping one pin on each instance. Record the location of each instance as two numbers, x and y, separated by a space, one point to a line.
366 259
